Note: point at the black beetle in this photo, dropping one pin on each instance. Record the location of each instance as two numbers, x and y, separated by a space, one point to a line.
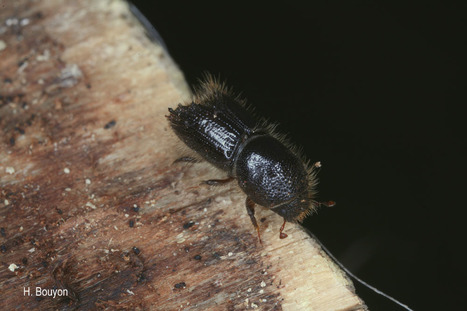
220 128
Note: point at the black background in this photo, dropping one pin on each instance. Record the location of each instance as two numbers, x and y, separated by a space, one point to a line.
373 91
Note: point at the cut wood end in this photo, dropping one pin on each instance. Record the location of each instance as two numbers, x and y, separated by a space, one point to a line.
90 199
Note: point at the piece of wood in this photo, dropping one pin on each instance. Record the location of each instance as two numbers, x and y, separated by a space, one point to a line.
91 201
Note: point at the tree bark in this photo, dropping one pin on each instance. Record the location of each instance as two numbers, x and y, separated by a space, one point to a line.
91 201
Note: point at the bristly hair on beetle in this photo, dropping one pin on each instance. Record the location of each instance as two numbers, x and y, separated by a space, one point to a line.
271 171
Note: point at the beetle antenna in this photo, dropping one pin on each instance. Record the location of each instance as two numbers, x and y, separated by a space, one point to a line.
317 167
337 262
327 203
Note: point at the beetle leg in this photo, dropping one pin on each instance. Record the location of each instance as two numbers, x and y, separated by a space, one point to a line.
250 208
186 159
218 182
283 235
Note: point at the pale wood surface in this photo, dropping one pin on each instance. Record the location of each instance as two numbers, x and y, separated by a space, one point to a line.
70 184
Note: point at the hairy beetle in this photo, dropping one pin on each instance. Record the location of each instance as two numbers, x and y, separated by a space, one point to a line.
221 129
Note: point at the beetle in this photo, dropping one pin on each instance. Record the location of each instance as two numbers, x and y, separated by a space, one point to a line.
220 127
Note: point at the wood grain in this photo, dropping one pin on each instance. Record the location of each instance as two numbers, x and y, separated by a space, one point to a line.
90 201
